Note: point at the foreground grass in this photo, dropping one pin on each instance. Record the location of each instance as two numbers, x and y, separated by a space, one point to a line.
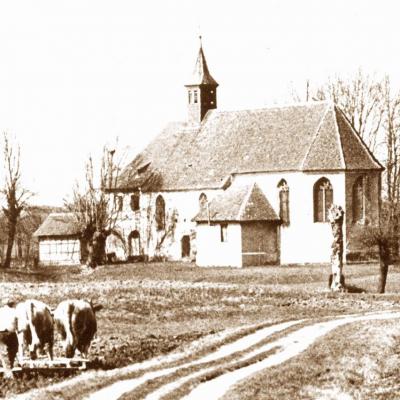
357 361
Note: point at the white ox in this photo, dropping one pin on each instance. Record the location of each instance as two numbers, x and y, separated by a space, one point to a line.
76 322
8 338
35 328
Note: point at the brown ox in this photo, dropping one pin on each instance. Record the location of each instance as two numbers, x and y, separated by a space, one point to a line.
8 338
76 322
35 328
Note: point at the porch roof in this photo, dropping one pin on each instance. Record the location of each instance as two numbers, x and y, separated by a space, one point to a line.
240 204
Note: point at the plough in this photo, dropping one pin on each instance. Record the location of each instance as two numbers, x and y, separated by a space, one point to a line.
46 365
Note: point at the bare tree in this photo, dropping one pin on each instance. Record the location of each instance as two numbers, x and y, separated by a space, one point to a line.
384 237
391 145
95 208
15 196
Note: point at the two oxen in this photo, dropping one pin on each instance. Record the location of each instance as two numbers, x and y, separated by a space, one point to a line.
30 324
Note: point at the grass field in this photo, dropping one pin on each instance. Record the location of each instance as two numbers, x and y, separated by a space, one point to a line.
152 309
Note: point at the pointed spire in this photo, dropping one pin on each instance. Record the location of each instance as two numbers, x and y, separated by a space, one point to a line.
201 74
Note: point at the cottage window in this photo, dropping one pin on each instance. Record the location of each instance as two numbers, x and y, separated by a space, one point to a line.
202 201
359 200
160 213
195 96
284 214
135 201
224 232
323 199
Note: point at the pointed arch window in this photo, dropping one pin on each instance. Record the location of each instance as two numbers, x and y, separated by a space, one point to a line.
359 200
284 213
160 213
135 201
323 199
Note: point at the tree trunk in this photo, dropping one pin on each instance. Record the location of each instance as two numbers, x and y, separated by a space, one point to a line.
383 271
384 260
96 249
90 257
10 243
335 216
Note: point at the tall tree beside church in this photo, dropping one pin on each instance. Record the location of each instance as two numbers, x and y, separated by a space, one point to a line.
391 146
95 208
15 196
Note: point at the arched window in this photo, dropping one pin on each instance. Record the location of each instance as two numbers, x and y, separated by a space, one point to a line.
190 96
119 202
323 199
135 201
202 201
284 213
195 96
160 213
359 200
134 244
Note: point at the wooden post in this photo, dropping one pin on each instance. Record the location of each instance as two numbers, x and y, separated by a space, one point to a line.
335 217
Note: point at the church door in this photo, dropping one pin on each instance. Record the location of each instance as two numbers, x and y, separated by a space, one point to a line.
185 246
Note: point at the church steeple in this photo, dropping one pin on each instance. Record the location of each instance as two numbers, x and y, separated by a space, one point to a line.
202 90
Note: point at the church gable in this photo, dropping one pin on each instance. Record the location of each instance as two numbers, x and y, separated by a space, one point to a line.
325 150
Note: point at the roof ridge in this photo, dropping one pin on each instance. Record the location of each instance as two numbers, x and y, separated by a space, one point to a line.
341 153
246 199
315 137
360 140
277 106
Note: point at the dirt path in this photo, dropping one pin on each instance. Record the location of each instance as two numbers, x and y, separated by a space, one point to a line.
289 346
119 388
221 369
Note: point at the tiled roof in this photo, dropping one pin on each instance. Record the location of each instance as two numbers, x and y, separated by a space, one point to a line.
201 75
305 137
238 203
58 224
355 152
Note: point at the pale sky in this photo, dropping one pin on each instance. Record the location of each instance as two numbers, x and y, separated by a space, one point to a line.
76 74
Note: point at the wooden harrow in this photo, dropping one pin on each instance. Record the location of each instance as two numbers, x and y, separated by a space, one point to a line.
45 365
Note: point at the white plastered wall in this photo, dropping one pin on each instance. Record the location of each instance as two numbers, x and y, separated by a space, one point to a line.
303 241
186 204
212 252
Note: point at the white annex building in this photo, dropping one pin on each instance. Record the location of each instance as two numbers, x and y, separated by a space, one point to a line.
252 187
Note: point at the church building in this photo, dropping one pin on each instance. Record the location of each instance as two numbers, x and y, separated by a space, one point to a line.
251 187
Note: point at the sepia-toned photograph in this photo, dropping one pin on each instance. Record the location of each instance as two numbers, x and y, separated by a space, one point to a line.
200 200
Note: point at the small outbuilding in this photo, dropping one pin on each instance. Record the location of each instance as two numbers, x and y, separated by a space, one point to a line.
59 240
237 228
